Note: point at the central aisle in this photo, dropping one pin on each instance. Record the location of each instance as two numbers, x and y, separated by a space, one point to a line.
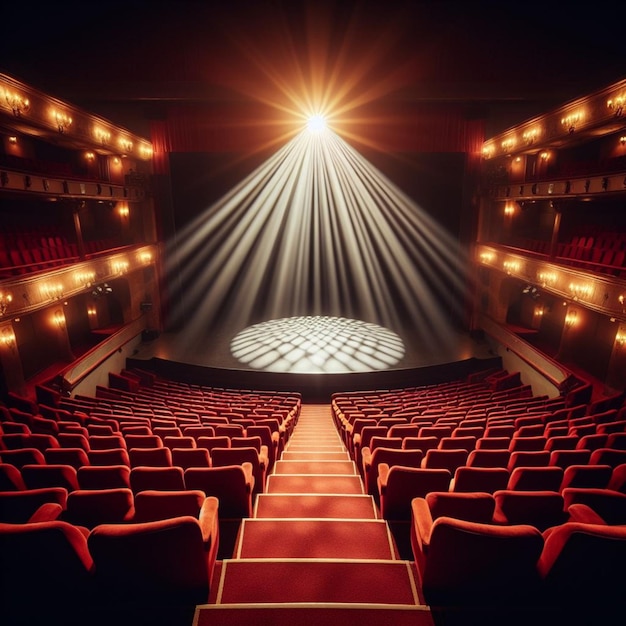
316 550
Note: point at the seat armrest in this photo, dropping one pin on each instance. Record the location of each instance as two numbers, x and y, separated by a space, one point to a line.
208 518
366 459
422 522
583 513
47 512
248 472
383 477
264 457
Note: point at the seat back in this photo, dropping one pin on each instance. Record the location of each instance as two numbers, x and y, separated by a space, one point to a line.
24 456
488 458
390 456
585 561
221 457
595 476
152 505
152 563
473 564
191 457
609 505
11 478
17 507
90 507
103 476
485 479
159 478
76 457
43 564
445 459
474 507
228 484
546 478
541 509
58 475
565 458
406 483
151 457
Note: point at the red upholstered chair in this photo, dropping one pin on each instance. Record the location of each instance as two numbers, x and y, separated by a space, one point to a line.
159 570
469 564
609 505
198 431
191 457
179 442
403 430
583 560
592 442
420 443
488 458
106 442
457 443
232 485
143 441
527 443
546 478
167 431
567 442
565 458
493 443
541 509
616 440
103 476
73 440
595 476
21 457
18 507
39 476
607 456
90 507
208 443
484 479
229 430
398 485
270 439
43 566
221 457
362 440
76 457
11 478
618 478
445 459
390 456
159 478
528 458
151 457
112 456
474 507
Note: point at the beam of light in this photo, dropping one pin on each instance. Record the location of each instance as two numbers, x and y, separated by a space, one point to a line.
317 344
317 231
316 123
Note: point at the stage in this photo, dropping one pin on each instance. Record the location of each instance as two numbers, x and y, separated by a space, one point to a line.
314 356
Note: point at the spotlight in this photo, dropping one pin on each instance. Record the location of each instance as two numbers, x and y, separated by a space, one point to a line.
316 123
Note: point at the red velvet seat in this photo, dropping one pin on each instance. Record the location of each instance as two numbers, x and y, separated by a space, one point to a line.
11 478
24 456
191 457
143 441
609 505
90 507
160 478
595 476
528 458
541 509
103 476
544 478
58 475
390 456
159 570
488 458
76 457
469 564
221 457
565 458
46 574
232 485
445 459
152 457
484 479
112 456
18 507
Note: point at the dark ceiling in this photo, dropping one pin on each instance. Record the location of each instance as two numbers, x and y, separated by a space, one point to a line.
509 59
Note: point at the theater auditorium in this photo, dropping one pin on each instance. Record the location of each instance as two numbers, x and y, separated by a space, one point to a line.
312 313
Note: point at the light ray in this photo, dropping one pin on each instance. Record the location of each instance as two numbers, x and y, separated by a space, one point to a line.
317 231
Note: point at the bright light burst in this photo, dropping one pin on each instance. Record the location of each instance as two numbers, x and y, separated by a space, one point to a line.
316 123
317 230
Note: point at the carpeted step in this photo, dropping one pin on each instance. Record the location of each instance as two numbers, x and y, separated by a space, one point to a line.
309 455
312 614
315 467
313 483
318 580
313 505
315 539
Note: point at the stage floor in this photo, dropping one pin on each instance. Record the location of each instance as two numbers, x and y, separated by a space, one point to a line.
317 364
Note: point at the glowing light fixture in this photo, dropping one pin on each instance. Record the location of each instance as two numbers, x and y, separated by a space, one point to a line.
316 123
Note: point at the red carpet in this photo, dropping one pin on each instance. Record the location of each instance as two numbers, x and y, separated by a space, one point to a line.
315 538
314 483
316 552
374 582
323 505
315 467
314 614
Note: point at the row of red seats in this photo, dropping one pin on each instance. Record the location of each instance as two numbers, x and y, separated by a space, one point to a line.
574 567
155 568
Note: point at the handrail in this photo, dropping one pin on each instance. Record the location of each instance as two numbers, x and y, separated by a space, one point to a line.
551 370
79 369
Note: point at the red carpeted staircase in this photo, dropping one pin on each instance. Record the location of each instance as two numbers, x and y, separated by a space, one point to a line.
316 550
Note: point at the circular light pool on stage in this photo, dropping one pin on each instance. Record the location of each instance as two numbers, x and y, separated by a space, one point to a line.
317 344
